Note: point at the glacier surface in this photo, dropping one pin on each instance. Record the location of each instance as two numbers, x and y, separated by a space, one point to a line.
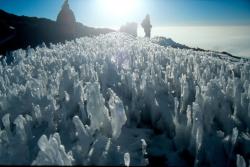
119 100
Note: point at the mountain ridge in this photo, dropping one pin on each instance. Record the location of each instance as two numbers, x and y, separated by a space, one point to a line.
166 42
23 31
19 32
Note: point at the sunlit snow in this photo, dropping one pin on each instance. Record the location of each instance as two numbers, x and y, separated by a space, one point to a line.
119 100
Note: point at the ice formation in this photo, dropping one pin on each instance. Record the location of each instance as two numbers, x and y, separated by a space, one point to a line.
119 100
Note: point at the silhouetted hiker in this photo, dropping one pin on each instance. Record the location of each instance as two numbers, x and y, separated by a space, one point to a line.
147 26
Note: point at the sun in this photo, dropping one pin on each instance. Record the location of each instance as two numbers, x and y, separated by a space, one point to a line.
118 7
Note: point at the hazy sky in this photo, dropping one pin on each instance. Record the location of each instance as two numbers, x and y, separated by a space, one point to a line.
113 13
222 25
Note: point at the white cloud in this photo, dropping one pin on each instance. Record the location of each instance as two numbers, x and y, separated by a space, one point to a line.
233 39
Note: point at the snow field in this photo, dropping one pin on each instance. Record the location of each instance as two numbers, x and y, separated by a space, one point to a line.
119 100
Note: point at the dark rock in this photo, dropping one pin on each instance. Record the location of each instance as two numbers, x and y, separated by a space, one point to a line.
20 31
130 28
66 15
168 42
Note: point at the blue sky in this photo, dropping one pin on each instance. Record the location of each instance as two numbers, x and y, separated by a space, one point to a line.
163 12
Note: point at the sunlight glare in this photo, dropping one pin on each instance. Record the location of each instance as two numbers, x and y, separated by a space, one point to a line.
118 7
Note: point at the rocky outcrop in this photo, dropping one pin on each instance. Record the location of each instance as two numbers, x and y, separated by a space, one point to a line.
66 15
21 31
130 28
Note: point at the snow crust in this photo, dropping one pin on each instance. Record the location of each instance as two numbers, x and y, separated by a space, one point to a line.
120 100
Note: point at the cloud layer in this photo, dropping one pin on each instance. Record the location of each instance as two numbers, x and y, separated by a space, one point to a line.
233 39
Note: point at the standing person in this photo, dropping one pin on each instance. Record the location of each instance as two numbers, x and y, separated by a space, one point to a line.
146 25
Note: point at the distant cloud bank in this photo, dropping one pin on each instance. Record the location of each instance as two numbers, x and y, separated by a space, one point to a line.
232 39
